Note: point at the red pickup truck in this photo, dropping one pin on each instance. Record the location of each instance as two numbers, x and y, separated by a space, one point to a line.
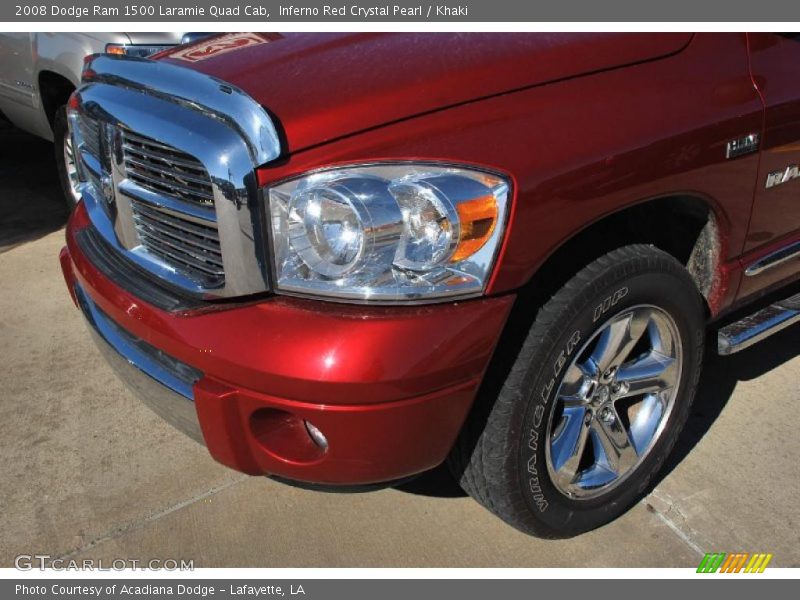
342 260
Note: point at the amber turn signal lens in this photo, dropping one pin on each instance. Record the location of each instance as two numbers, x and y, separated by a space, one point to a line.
478 219
115 49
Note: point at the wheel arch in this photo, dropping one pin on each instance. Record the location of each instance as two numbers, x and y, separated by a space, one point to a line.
54 90
699 245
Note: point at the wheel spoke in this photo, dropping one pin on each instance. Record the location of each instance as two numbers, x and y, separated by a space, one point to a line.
568 446
613 447
646 375
618 339
589 368
574 386
647 419
597 476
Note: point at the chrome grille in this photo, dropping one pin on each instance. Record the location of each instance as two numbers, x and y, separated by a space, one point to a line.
188 245
176 198
165 170
90 134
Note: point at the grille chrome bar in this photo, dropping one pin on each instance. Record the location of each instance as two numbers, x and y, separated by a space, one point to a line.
176 254
208 245
135 164
166 216
187 164
164 169
140 139
90 134
196 255
173 188
187 245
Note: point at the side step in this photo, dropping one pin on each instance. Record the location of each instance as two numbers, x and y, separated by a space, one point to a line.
758 326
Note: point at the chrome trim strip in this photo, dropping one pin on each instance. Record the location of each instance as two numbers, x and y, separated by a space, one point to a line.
757 327
228 132
773 259
163 383
194 90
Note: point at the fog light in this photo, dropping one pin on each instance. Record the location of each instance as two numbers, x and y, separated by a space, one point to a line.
316 435
287 437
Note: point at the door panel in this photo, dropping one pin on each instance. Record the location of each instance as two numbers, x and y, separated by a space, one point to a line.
16 69
775 223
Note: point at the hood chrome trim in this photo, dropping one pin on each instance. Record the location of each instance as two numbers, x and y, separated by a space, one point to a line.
194 90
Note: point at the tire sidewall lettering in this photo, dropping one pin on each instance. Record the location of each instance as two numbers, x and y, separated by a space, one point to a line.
539 412
609 302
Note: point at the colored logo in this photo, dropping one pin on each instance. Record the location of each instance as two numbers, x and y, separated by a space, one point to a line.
222 44
741 562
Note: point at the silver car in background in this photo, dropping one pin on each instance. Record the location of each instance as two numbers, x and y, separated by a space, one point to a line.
39 71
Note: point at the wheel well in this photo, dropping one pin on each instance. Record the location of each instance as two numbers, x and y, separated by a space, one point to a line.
54 90
683 226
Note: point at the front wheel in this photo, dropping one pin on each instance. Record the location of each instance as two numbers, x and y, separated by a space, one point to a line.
595 400
65 158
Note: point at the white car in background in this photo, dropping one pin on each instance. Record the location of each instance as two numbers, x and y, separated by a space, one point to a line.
39 71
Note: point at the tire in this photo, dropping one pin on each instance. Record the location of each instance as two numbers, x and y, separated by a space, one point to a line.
67 175
537 461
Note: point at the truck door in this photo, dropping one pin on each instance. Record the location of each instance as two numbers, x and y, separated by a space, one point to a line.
772 249
17 86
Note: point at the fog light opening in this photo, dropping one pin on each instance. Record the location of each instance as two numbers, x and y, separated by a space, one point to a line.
316 435
287 437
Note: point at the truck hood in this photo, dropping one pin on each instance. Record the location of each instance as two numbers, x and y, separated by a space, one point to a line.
321 87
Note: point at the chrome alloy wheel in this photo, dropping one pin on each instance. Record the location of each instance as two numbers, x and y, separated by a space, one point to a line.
71 169
613 402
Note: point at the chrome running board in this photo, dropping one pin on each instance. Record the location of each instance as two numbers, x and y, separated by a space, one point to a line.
758 326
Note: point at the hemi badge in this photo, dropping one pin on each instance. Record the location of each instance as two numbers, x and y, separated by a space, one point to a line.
742 145
778 177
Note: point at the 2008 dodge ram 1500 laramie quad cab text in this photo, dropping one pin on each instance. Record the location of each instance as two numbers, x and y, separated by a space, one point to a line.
345 259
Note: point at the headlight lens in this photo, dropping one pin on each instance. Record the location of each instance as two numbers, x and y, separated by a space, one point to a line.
326 231
138 50
387 233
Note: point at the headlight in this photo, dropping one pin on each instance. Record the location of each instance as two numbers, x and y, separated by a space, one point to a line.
139 50
387 233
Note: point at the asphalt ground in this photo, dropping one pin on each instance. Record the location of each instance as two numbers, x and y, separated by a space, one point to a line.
88 472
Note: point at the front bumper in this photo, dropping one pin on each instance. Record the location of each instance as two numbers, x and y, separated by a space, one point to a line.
389 387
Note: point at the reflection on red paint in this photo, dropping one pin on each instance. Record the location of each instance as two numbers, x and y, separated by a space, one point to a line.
215 46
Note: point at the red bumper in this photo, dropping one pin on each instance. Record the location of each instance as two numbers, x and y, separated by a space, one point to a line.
389 387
